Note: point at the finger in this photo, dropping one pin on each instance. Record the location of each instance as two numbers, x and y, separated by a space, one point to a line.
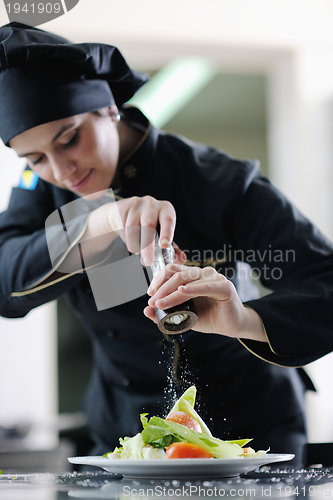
149 220
180 256
150 313
118 217
133 238
166 273
171 282
163 276
113 220
167 220
189 274
184 277
132 224
148 238
221 290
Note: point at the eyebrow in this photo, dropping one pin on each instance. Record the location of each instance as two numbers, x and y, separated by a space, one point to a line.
58 134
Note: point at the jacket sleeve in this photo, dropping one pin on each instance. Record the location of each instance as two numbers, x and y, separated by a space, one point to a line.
293 259
28 278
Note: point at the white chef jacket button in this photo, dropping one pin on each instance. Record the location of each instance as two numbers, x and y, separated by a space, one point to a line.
126 382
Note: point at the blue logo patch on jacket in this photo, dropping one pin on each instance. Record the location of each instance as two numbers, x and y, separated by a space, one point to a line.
28 180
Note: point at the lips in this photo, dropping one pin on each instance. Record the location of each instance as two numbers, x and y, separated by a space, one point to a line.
82 182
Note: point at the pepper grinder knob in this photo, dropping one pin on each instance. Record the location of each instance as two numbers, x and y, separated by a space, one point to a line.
177 319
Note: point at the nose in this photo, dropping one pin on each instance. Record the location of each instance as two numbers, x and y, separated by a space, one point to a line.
62 168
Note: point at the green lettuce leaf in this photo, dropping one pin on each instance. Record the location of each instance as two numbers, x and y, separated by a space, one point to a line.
186 404
159 428
240 442
144 419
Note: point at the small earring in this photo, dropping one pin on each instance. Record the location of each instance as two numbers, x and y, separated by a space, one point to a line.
116 117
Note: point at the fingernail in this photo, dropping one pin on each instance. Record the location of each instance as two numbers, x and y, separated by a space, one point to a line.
146 261
145 311
165 242
151 291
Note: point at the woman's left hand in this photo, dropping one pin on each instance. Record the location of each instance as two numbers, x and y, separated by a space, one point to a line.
218 305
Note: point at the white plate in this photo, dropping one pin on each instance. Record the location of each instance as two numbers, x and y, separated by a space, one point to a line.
181 467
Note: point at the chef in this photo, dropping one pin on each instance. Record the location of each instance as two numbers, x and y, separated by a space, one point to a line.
62 107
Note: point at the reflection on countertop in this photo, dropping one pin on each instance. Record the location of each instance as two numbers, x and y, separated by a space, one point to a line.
316 484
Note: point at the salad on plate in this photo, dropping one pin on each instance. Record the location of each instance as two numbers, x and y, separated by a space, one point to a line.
182 434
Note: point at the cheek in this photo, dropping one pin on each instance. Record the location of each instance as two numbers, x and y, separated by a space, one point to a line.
108 146
45 174
48 177
85 150
92 151
99 147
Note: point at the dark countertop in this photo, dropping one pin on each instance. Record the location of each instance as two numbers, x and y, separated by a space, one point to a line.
315 483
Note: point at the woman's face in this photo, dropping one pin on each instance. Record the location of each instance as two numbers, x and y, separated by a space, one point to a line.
79 153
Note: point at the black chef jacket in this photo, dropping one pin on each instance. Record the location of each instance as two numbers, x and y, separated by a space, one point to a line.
223 205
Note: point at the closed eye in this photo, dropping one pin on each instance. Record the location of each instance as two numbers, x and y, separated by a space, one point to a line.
67 145
38 160
72 141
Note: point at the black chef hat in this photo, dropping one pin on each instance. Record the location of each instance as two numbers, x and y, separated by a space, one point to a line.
44 77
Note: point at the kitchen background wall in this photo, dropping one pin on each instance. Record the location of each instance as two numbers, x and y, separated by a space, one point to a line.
271 98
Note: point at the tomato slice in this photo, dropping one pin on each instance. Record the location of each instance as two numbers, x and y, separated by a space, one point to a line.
180 417
186 450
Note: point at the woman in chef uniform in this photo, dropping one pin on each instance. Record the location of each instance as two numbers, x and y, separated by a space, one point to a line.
62 107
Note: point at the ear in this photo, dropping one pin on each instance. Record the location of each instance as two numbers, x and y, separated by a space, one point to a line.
114 113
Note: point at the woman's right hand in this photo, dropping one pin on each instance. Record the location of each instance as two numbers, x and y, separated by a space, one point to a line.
135 220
